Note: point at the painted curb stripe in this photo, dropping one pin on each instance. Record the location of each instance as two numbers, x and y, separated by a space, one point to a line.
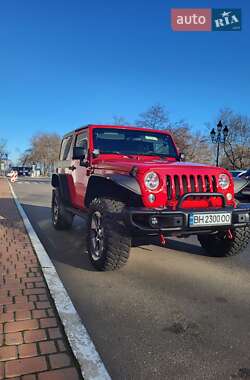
81 344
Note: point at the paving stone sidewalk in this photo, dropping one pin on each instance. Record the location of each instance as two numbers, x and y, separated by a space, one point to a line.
33 345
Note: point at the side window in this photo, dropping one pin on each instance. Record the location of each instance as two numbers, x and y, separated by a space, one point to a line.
81 140
65 147
64 142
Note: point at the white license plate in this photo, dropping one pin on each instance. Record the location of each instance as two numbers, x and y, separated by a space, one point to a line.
210 219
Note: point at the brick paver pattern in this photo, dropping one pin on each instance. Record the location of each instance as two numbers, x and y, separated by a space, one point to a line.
33 345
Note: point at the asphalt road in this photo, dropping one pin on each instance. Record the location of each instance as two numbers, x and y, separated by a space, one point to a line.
171 313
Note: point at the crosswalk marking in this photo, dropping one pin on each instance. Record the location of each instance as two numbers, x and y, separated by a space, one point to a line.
30 182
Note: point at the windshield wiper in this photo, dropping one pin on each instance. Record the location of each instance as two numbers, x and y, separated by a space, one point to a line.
162 155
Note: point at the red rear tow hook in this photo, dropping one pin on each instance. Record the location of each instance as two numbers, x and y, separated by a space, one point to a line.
163 240
229 234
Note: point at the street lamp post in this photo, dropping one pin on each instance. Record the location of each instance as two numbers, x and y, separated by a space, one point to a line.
219 137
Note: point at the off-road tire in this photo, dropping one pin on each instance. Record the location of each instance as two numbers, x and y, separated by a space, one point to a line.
116 241
61 219
221 246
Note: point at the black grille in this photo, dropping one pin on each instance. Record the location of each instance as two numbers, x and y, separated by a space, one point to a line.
177 185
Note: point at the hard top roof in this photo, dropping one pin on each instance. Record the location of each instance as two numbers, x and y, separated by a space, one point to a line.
114 127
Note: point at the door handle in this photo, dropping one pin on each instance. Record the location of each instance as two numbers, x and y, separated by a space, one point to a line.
72 168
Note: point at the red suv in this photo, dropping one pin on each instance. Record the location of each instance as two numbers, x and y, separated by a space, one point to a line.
131 181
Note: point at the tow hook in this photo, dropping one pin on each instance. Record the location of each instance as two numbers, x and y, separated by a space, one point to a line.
162 239
229 234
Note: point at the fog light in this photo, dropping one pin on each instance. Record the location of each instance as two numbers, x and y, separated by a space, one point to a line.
151 198
153 221
229 196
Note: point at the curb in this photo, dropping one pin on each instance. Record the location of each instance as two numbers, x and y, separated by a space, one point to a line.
91 365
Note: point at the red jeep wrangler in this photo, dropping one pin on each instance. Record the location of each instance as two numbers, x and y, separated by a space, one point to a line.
130 181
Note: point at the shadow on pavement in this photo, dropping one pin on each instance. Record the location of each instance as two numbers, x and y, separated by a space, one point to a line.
175 245
185 247
68 247
9 216
8 209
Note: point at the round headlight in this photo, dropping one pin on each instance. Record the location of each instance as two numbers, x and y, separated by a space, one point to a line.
151 180
224 181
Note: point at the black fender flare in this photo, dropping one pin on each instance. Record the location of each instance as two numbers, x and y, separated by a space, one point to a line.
239 184
126 181
96 185
60 181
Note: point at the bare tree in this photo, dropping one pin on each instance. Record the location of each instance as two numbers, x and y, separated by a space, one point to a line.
182 135
199 149
155 118
120 120
25 158
237 146
44 150
193 144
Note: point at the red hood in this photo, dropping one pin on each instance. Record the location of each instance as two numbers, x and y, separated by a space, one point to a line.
125 165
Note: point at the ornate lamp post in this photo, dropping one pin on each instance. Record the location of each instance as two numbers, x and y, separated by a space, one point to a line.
219 137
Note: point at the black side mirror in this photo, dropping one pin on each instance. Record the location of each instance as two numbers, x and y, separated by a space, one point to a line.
78 153
96 153
181 156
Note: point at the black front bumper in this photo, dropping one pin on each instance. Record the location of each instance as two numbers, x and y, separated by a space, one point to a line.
166 221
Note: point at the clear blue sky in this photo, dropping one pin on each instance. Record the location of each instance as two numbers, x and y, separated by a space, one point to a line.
64 63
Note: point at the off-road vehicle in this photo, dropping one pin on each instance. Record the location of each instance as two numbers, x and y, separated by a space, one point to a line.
132 181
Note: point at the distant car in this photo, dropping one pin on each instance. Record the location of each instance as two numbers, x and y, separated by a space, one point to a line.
242 174
246 176
21 170
237 173
26 171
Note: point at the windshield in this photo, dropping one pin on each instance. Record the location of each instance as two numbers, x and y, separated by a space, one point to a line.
132 142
